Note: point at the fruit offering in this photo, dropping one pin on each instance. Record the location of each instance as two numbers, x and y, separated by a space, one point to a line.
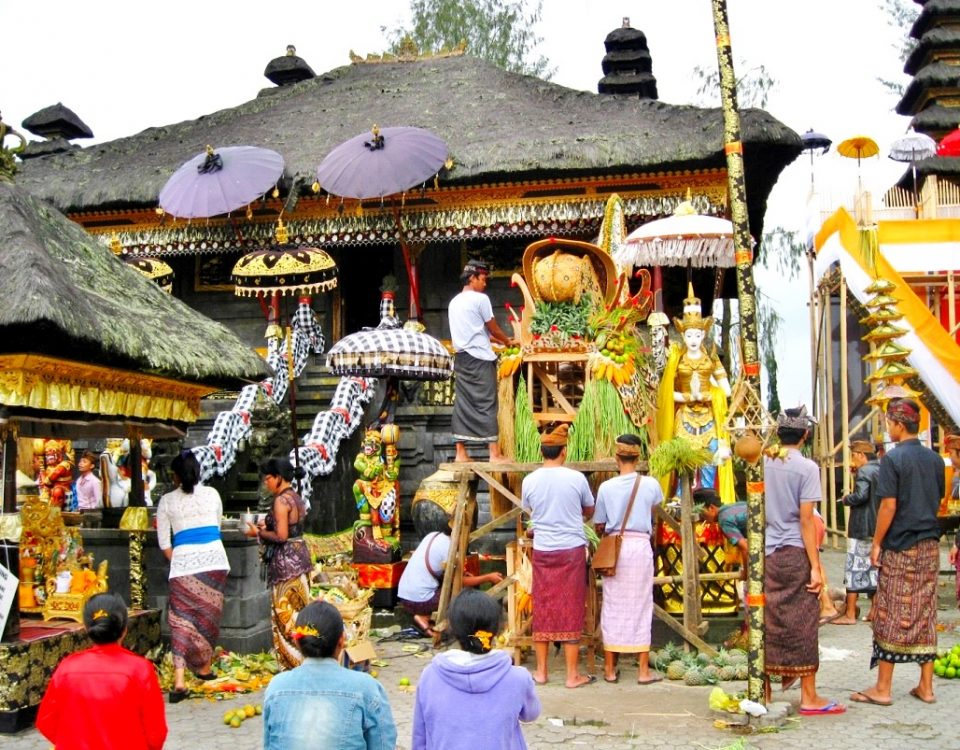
236 716
509 362
614 358
947 664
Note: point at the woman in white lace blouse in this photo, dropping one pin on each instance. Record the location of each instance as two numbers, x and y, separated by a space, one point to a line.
188 531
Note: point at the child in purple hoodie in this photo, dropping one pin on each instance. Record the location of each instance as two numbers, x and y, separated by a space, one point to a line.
473 697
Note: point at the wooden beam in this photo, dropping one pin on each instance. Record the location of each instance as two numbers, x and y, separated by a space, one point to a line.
495 483
496 523
509 467
454 566
692 638
547 380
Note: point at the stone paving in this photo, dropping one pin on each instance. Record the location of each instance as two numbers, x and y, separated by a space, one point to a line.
666 715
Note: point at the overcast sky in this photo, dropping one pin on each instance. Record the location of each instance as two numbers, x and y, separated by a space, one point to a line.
124 67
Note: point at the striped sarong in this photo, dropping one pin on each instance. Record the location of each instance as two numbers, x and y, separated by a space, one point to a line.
627 613
559 594
287 599
905 607
859 576
791 615
196 604
475 400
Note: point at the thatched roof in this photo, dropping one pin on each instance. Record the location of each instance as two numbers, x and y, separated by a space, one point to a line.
67 296
499 126
937 75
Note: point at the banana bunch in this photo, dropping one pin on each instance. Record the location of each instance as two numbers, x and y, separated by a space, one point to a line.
509 362
614 358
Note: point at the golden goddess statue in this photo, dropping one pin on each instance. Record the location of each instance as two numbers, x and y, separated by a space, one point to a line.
693 398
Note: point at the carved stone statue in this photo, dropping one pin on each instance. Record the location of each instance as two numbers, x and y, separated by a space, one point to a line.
56 476
377 494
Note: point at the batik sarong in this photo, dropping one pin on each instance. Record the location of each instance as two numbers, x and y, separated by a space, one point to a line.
905 607
627 613
791 615
559 594
475 400
196 604
859 576
287 599
421 608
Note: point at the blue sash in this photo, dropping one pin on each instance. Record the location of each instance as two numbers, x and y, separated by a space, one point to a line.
198 535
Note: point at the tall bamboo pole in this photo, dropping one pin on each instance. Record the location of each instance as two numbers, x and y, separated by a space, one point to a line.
746 296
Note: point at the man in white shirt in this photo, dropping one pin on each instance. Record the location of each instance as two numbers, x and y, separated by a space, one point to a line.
472 325
559 501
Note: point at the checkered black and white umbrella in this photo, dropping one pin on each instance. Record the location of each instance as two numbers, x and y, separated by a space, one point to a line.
386 352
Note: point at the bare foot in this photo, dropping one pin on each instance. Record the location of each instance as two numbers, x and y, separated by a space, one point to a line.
844 621
465 459
582 680
499 460
540 679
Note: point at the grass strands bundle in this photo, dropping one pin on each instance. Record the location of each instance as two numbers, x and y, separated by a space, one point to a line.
526 436
506 417
677 455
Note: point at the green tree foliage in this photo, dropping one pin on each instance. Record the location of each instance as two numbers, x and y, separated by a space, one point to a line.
901 15
753 87
499 31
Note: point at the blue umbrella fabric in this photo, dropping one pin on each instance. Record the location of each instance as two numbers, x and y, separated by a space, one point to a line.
221 180
383 162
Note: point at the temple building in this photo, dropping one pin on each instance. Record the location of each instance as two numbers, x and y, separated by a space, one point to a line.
528 159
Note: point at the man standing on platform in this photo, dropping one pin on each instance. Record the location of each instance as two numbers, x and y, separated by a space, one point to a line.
472 325
859 576
559 501
792 579
89 488
906 548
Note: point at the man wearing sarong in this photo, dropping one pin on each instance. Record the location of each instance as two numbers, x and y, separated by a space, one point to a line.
792 579
559 501
472 325
952 444
859 576
906 548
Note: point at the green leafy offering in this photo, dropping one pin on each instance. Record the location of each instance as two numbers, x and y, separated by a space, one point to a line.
677 455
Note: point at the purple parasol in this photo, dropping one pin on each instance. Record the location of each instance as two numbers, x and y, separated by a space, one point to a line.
384 162
220 181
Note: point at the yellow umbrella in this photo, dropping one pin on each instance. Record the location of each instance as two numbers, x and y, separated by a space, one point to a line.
858 147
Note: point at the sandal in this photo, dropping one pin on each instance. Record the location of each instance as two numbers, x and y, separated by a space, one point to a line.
205 677
175 696
591 678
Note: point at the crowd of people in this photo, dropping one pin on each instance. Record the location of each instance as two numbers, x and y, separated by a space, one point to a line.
893 558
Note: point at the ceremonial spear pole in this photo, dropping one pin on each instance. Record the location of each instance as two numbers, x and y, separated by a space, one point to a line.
746 295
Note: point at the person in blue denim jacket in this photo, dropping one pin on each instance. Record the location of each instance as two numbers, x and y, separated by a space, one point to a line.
321 705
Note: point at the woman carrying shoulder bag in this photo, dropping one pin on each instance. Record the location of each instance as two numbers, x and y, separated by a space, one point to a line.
627 615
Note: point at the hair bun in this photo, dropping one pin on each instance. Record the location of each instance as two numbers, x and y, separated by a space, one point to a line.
299 472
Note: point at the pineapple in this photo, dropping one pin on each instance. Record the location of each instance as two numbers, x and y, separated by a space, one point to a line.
741 671
676 670
694 678
728 673
702 659
722 659
737 656
711 674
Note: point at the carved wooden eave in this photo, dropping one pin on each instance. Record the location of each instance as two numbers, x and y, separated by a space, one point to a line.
527 209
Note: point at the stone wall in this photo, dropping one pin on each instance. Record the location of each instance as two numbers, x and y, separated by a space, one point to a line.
245 625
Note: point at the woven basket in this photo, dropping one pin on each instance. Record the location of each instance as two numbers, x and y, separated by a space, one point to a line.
351 609
358 628
557 278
